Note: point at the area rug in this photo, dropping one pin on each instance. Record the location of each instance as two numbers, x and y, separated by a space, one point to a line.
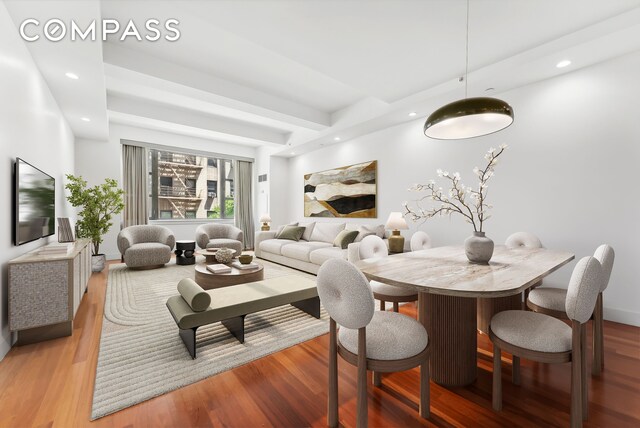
141 355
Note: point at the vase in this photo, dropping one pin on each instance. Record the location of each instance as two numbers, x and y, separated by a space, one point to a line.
478 248
224 255
97 262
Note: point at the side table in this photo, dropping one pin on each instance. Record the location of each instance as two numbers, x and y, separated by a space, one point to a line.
185 252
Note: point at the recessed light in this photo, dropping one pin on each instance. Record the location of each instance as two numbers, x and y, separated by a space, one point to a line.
336 139
72 76
563 63
85 119
413 113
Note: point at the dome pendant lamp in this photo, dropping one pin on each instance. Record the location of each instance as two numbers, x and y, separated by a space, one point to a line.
469 117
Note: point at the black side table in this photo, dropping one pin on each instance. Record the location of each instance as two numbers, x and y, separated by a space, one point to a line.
188 248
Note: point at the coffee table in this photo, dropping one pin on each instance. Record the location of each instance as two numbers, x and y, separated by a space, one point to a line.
209 280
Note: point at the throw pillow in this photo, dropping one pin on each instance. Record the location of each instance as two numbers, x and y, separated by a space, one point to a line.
364 231
282 227
345 238
308 230
326 232
293 233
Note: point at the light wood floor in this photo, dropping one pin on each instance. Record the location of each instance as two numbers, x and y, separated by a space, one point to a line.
51 384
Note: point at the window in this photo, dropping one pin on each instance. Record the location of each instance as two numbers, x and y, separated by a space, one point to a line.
188 186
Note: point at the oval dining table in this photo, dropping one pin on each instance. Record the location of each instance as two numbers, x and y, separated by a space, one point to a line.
449 287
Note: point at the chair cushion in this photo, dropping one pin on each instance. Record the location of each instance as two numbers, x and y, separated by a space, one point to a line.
390 336
225 243
390 290
274 245
301 250
321 255
147 254
549 298
531 330
326 232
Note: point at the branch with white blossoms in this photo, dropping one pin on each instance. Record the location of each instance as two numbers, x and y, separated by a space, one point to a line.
460 199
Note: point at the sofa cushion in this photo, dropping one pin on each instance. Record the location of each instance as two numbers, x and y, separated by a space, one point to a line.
147 254
321 255
274 245
326 232
285 225
344 238
308 230
301 250
364 231
292 233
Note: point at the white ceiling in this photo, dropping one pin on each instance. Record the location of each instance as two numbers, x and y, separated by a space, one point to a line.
293 75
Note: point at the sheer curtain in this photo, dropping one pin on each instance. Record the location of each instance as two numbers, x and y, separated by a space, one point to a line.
244 199
134 183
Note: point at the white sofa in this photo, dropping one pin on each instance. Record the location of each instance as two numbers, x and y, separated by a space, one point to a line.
315 247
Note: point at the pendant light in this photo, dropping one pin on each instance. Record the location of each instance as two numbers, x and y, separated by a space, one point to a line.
469 117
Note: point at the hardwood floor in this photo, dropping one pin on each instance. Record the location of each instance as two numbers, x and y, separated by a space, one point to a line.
51 384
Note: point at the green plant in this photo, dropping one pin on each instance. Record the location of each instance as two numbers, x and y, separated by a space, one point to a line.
99 203
228 208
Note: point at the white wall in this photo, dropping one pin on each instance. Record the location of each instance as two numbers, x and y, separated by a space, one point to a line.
97 160
33 128
570 175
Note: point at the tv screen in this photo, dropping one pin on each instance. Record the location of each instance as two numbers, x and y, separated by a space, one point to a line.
35 203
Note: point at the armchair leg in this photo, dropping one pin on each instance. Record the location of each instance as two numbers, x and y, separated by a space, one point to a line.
383 305
332 412
361 401
516 370
377 379
497 379
396 307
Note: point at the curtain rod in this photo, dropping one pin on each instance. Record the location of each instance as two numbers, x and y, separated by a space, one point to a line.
184 150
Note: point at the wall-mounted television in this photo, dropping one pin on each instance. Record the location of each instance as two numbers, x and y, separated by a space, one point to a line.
35 203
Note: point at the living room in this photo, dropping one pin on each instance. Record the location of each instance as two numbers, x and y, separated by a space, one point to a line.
304 136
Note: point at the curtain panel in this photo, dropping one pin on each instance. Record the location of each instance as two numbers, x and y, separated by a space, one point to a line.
244 201
134 180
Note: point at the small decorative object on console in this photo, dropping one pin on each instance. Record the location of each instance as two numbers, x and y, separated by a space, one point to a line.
224 255
466 201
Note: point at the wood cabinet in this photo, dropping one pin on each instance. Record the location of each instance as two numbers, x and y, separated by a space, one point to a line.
45 292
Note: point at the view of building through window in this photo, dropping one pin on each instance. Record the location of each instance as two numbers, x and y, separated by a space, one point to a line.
187 186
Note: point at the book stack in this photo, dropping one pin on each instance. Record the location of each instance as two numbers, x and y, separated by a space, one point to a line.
55 250
219 268
253 265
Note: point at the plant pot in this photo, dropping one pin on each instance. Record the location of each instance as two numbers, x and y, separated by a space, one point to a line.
97 262
478 248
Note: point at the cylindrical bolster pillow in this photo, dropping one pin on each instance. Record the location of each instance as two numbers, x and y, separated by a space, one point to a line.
194 295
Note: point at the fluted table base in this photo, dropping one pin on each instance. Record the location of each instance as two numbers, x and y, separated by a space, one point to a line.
451 324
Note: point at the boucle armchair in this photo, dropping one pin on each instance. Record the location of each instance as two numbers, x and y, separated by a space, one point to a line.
219 236
146 246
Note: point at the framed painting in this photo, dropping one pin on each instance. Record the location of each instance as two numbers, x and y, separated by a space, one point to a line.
349 191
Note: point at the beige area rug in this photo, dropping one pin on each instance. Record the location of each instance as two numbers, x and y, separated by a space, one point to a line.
141 355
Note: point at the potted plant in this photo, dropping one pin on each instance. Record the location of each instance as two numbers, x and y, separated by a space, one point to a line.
98 205
469 202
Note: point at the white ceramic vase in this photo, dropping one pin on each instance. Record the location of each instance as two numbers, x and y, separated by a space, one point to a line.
478 248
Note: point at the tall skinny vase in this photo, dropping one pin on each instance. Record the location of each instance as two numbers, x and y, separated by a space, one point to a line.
478 248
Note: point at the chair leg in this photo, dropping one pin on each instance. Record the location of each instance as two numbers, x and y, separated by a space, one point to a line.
515 370
361 401
497 378
576 376
383 305
396 307
425 390
526 297
332 412
583 372
598 338
377 379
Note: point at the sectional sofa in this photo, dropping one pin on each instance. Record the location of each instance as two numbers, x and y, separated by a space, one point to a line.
316 245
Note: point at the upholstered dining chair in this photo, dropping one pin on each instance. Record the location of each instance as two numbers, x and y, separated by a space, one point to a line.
373 340
420 241
373 246
550 301
543 338
524 240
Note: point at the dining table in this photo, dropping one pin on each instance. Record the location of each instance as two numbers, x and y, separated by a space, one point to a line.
449 287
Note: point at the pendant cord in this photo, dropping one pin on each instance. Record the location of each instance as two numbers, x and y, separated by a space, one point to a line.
466 70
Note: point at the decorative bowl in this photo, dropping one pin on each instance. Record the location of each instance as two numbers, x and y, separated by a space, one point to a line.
224 255
245 259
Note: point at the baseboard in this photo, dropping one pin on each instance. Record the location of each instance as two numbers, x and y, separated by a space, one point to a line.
114 256
622 316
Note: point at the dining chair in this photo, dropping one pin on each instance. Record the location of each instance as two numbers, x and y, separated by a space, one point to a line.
550 301
373 246
373 340
543 338
524 240
420 241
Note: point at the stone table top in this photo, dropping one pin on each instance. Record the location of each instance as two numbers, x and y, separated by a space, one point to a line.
446 270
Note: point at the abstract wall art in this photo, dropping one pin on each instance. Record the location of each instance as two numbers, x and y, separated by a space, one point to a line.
349 191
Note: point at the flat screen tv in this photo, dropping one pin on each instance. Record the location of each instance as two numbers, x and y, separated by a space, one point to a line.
35 203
